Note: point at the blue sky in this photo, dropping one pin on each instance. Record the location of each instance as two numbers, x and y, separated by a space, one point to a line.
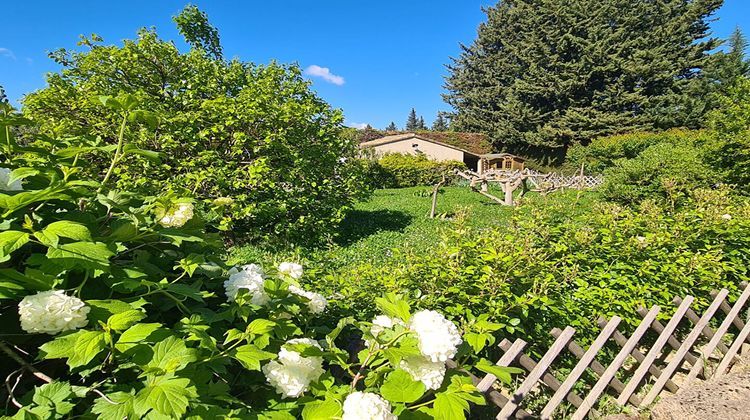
383 57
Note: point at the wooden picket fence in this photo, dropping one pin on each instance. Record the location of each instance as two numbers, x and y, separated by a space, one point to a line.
693 353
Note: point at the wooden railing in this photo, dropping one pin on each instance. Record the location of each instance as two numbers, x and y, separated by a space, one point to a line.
688 354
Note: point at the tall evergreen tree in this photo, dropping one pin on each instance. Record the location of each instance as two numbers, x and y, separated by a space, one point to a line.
391 127
440 123
412 123
3 97
421 125
550 73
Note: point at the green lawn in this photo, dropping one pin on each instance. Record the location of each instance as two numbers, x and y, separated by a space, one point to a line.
399 219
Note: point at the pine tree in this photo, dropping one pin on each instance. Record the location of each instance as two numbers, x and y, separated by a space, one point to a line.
551 73
421 125
412 123
440 124
3 96
391 127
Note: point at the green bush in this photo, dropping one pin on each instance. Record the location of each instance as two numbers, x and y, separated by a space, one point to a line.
603 152
731 125
396 170
665 171
121 304
546 269
227 129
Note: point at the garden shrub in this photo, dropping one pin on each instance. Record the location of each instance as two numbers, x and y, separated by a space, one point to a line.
730 123
603 152
123 306
397 170
546 269
255 134
665 171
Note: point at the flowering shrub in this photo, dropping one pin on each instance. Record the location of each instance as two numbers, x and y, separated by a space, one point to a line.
116 305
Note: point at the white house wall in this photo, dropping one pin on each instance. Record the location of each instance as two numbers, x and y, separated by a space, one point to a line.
431 150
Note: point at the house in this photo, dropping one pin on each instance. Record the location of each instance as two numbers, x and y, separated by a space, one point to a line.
441 146
473 149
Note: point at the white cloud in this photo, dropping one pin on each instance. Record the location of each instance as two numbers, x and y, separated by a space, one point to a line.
325 74
7 53
358 126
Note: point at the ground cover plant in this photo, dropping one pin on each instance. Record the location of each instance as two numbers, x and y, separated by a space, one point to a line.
117 304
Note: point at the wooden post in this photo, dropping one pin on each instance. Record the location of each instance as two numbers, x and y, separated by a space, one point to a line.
435 197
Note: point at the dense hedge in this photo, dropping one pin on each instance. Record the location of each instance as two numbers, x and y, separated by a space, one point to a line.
257 135
396 170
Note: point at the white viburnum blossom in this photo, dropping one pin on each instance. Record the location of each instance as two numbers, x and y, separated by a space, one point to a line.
726 216
421 369
291 269
292 374
5 185
249 277
383 322
317 303
438 338
366 406
52 312
177 215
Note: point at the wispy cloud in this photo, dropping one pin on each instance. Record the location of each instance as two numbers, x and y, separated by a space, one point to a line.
358 126
5 52
325 74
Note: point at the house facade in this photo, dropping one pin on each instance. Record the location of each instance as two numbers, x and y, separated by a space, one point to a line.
474 150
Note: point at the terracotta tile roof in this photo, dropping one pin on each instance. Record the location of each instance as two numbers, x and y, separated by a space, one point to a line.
474 143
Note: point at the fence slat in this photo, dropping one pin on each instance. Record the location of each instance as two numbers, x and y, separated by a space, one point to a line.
621 340
729 356
686 346
597 367
707 331
537 373
737 321
672 340
709 349
655 350
507 359
580 367
612 369
548 379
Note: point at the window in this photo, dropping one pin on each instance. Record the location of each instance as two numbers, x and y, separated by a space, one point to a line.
508 163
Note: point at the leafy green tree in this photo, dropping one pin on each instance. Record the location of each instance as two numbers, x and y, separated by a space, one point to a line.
391 127
440 123
731 125
412 123
193 24
551 73
253 133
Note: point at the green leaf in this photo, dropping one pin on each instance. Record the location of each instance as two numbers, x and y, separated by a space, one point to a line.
87 346
11 240
400 387
61 347
148 154
54 395
171 355
322 410
168 395
102 310
21 173
260 326
89 255
500 372
140 334
124 320
395 306
68 229
250 356
110 102
450 407
30 280
120 408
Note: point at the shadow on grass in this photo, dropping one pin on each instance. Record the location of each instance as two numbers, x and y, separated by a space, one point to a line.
359 224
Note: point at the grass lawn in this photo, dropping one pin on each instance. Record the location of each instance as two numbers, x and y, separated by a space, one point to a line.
399 219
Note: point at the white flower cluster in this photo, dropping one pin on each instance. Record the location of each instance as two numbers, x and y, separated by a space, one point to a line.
430 373
52 312
177 215
292 374
383 322
316 304
5 185
726 216
438 338
292 270
249 277
366 406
